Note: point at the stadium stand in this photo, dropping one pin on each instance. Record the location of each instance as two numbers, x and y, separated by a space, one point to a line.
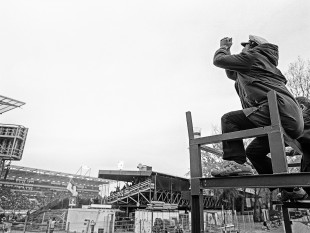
32 189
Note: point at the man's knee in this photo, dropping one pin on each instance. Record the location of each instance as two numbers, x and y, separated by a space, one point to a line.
228 119
225 118
235 120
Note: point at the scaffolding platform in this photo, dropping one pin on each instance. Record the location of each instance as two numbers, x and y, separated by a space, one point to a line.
281 178
12 141
7 104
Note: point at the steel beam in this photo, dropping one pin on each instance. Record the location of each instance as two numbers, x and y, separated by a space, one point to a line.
297 204
257 181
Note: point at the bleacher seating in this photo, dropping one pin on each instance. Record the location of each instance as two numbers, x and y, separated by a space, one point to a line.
38 190
14 200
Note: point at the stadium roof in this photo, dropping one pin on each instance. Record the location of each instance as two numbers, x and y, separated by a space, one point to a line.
7 104
128 176
53 173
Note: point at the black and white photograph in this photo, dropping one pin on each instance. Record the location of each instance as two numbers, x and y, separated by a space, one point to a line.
138 116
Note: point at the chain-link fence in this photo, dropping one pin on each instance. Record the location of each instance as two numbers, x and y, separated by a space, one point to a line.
216 221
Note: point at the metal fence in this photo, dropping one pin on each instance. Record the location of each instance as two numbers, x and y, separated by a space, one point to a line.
90 227
124 226
238 223
18 227
77 227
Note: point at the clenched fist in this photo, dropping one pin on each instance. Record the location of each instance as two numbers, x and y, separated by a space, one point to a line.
226 42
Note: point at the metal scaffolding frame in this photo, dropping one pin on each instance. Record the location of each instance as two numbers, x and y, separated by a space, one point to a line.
7 104
277 139
12 137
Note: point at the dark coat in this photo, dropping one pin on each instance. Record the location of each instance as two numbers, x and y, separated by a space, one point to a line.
304 141
255 73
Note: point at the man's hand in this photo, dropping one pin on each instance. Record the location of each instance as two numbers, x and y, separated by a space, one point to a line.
226 42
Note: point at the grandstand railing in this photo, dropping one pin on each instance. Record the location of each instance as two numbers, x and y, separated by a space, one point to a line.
132 190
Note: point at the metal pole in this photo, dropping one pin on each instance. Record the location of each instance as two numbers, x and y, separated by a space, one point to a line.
243 222
140 226
68 227
43 218
26 219
286 218
155 191
2 161
196 173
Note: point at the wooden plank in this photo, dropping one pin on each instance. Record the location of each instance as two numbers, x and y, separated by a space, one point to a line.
197 214
196 192
249 133
195 171
276 139
190 129
277 151
273 108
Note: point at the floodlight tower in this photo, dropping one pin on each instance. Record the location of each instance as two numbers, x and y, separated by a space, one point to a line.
84 171
12 137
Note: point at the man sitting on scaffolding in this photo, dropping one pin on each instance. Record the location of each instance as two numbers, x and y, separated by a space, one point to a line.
255 73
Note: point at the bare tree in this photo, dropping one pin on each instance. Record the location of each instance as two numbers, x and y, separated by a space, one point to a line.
298 76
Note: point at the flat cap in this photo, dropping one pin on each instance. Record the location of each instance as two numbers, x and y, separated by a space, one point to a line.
257 39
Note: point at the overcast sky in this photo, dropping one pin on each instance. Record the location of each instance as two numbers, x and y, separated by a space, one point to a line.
110 81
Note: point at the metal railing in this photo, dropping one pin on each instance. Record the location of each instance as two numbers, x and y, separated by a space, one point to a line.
132 190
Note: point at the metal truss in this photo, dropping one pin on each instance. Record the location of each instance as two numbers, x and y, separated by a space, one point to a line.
144 193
